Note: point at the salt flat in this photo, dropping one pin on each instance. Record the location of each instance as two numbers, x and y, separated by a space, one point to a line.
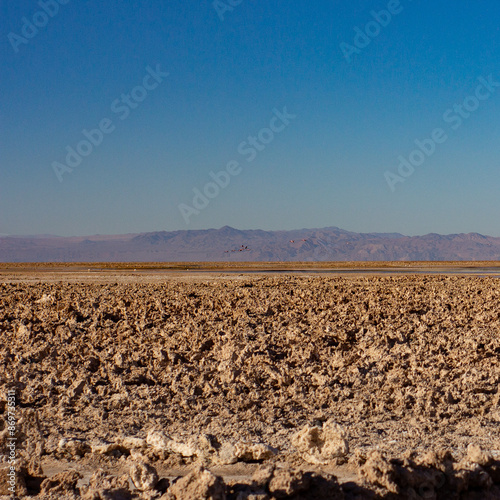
391 372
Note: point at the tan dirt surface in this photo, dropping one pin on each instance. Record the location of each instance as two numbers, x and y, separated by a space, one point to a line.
251 386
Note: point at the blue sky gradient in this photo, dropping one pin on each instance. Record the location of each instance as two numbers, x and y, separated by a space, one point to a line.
327 167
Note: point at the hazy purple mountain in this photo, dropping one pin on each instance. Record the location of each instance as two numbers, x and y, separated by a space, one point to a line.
229 244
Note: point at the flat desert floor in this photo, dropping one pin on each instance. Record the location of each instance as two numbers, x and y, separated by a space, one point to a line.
265 382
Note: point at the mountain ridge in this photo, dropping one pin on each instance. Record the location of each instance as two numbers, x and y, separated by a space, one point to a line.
232 244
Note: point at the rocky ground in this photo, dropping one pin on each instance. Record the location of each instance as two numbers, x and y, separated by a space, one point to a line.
252 387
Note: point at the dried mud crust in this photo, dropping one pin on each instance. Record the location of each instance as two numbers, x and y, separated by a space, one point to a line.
285 372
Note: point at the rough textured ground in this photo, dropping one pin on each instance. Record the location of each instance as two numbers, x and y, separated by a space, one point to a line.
277 384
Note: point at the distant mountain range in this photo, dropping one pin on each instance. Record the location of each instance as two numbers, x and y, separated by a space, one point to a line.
229 244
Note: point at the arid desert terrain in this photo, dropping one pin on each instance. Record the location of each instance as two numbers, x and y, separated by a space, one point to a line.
184 384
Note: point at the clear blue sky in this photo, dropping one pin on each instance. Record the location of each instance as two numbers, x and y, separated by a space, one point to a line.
355 113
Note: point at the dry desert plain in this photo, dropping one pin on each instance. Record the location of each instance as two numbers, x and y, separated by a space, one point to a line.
258 381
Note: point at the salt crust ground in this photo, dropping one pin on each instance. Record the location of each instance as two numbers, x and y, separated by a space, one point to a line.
288 387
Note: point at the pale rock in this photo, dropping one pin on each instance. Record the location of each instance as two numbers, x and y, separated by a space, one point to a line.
160 442
226 454
104 448
136 455
320 445
207 445
75 447
143 476
199 484
249 452
23 332
157 440
477 455
184 449
131 443
45 300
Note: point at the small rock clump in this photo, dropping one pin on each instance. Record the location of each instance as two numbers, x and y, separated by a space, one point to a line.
270 482
200 484
321 445
434 475
144 476
62 484
103 486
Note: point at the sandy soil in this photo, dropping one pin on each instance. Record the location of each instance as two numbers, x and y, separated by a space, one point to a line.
251 386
